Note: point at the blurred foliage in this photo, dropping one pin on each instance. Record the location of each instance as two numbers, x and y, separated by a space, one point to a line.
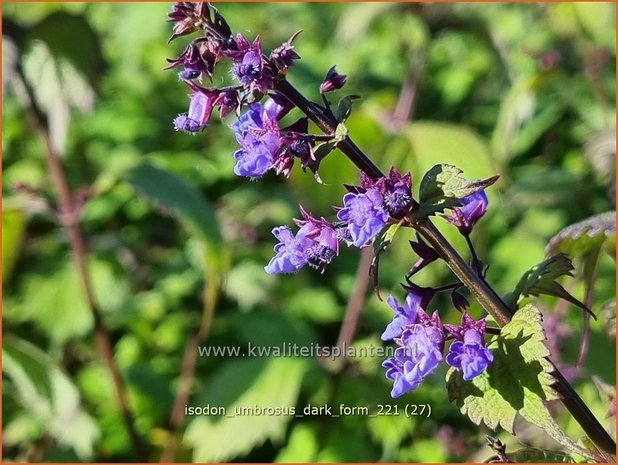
526 91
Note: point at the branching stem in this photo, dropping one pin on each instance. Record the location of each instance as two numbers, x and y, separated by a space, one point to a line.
69 218
484 293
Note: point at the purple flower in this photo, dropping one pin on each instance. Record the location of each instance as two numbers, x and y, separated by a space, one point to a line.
257 153
325 244
470 355
404 315
249 66
419 355
290 253
472 209
186 16
396 189
200 111
467 323
256 114
364 214
284 55
332 81
316 243
227 102
258 134
191 60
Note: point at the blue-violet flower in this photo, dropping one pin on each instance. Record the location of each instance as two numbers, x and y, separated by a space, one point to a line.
472 209
200 110
419 354
470 355
365 215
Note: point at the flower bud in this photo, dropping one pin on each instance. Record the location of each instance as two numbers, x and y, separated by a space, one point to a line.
332 81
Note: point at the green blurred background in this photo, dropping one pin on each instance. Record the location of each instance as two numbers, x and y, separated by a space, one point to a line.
523 90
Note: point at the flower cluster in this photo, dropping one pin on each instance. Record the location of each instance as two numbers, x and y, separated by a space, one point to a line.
367 209
421 339
265 144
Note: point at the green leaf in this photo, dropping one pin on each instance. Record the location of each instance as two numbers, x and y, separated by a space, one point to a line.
534 455
302 446
49 395
70 37
579 238
443 185
518 382
240 384
13 231
54 299
174 196
541 280
343 111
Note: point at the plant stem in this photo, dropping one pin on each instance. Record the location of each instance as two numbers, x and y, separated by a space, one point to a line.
484 294
357 299
187 371
69 218
476 263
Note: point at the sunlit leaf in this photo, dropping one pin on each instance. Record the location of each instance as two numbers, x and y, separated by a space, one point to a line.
581 237
518 382
541 280
443 185
254 382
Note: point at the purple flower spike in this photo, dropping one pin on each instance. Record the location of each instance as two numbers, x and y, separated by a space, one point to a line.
404 314
332 81
276 108
419 355
290 253
200 111
472 209
470 355
365 215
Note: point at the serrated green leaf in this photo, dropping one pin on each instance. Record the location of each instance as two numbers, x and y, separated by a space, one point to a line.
580 237
518 382
49 395
443 185
540 280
